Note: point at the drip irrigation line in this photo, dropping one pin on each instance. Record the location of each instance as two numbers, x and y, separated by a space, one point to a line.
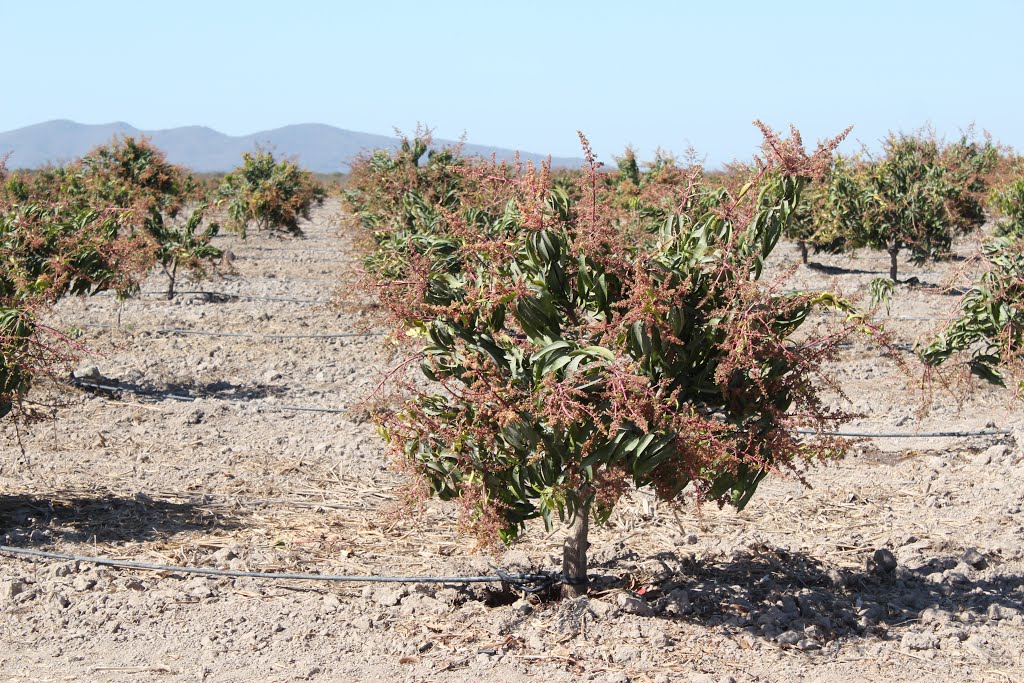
302 249
530 583
256 335
337 335
908 435
316 409
229 295
244 297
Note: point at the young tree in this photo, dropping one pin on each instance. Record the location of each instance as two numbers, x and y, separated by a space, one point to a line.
184 245
821 220
97 224
1008 202
988 331
917 197
51 247
571 359
269 194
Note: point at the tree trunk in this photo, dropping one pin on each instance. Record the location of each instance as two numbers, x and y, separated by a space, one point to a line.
893 253
803 250
171 274
574 555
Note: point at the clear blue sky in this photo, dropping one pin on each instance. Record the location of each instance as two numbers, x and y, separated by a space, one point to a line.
523 74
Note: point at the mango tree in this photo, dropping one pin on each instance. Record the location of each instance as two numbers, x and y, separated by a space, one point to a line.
268 194
916 197
569 361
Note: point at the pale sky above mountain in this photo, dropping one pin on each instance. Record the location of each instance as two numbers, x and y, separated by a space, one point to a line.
523 74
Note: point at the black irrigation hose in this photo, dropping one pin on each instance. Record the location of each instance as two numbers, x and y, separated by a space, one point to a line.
807 432
256 335
245 297
338 335
908 435
530 583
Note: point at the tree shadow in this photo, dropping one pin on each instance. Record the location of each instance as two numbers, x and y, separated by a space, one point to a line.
39 519
178 391
837 270
794 599
933 288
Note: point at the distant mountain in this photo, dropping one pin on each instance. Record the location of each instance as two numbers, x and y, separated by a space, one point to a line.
321 148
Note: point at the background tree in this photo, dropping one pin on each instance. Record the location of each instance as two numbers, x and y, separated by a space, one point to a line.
269 194
1008 203
821 221
916 197
98 224
183 244
52 246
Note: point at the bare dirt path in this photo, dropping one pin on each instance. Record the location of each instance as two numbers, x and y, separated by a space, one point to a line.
791 589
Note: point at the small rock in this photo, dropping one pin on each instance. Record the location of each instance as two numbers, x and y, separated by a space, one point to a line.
83 583
387 598
982 459
626 653
603 609
1000 612
789 638
662 678
10 589
616 677
524 607
933 615
957 634
61 601
87 372
223 555
271 376
953 576
634 604
973 558
331 603
808 644
882 562
919 641
195 416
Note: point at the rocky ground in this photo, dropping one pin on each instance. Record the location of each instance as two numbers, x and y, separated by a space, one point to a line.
902 562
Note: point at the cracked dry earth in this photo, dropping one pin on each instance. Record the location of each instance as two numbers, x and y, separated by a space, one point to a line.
902 562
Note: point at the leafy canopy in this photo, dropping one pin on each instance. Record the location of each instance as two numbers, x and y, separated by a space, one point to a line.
269 194
569 357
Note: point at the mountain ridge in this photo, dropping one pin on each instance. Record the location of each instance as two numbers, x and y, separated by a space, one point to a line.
317 146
